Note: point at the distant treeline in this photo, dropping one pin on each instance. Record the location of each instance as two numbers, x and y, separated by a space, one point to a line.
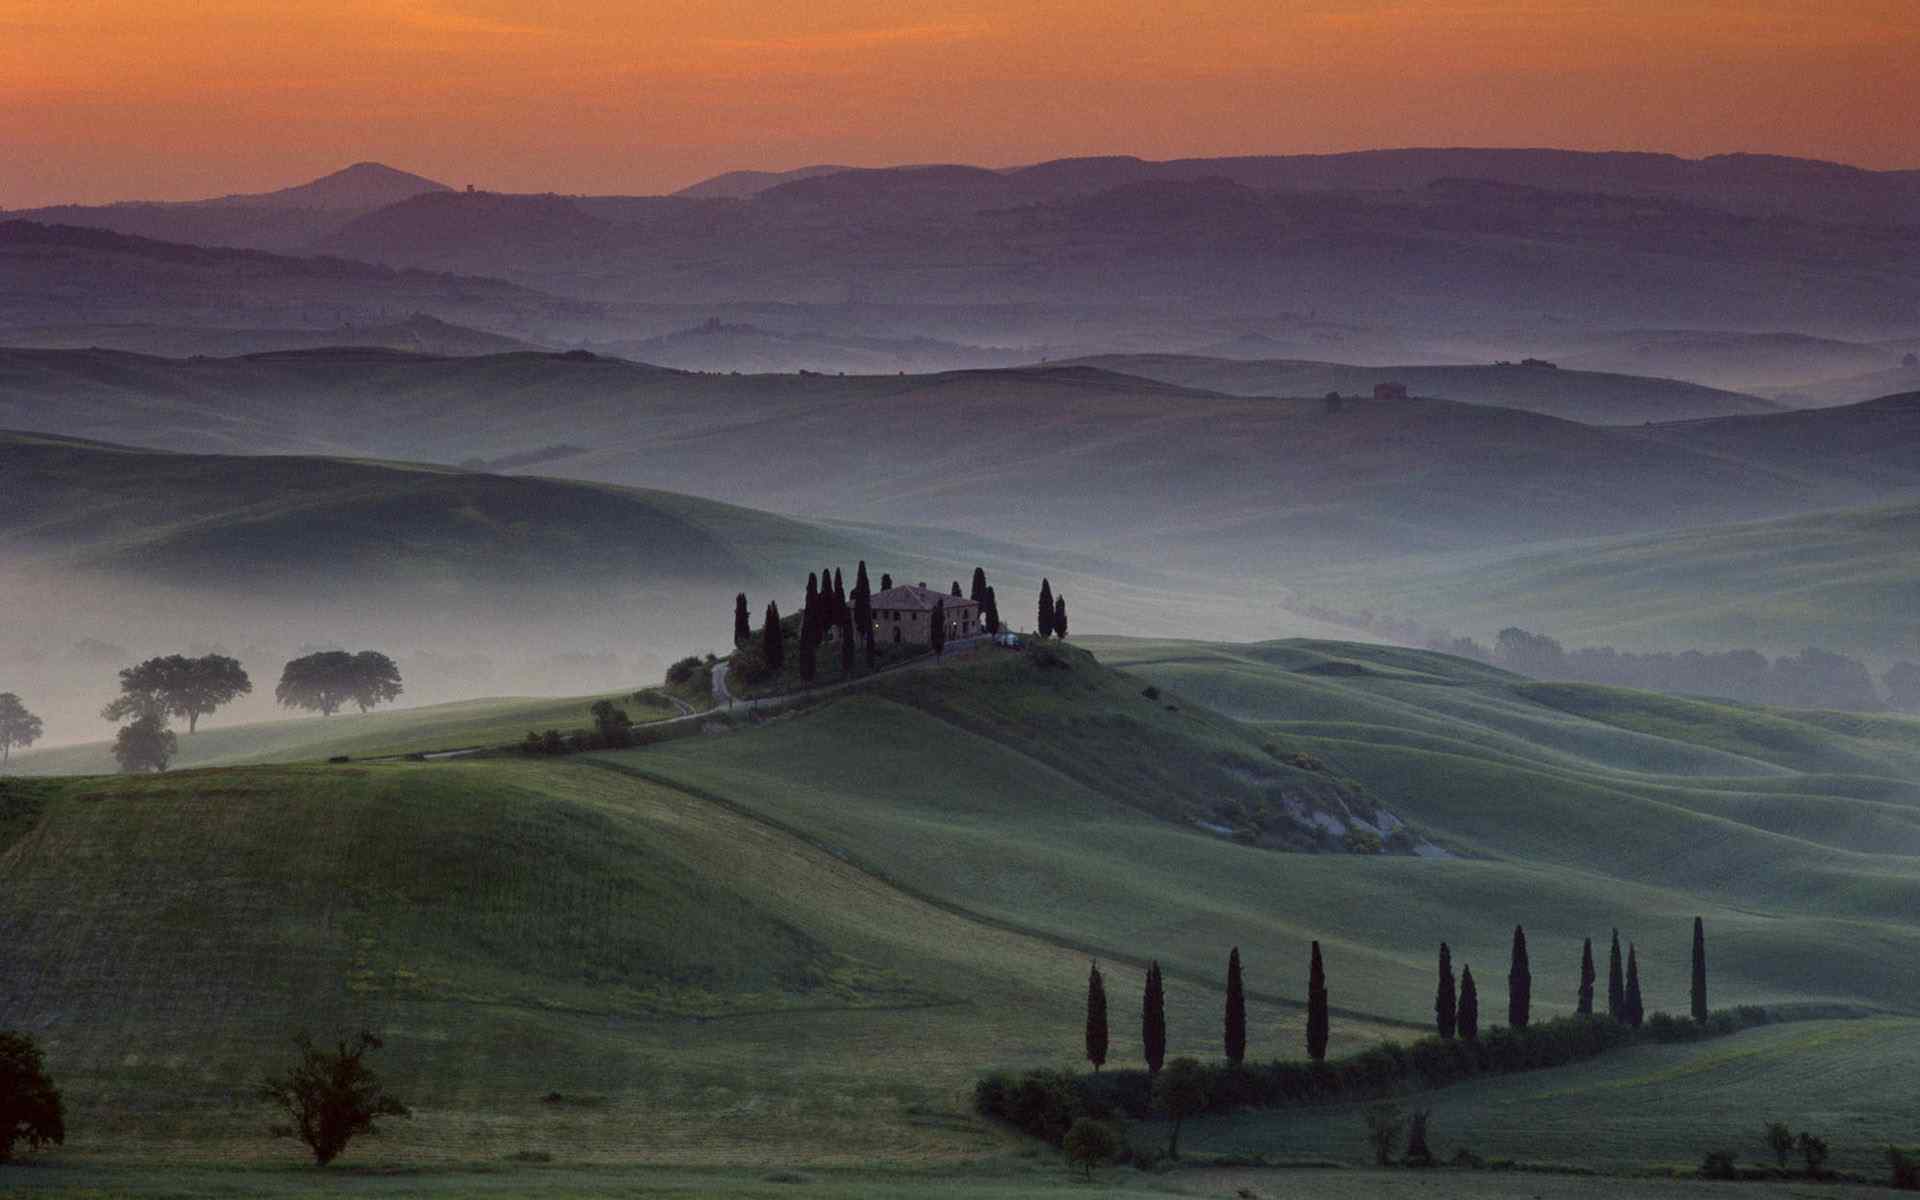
1813 678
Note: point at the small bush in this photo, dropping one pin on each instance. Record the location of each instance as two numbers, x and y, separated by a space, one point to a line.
1384 1120
1812 1149
1780 1142
1150 692
1362 841
683 670
1089 1144
1905 1168
1419 1154
1718 1165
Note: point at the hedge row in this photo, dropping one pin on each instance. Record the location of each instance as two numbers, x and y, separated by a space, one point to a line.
1045 1103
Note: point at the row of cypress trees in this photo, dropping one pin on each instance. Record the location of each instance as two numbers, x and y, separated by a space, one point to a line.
830 606
1456 1008
1052 612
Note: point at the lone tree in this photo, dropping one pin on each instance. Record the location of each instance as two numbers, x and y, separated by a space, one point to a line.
1153 1020
612 723
145 745
1469 1007
18 727
1445 1006
1182 1090
329 680
742 625
188 688
1060 616
1780 1141
1584 1004
1317 1007
1046 609
1384 1119
30 1108
1634 1011
1419 1154
1096 1017
772 645
1236 1023
1089 1143
1699 971
938 633
331 1096
1519 983
1616 982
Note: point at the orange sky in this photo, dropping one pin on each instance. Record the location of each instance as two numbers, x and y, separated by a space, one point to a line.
112 99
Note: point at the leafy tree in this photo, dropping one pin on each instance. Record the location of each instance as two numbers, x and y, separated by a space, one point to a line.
1183 1090
1153 1020
331 1096
145 745
1519 983
990 611
1780 1141
1060 616
1469 1007
1445 1005
1635 1011
1046 609
1616 983
1699 971
742 625
1813 1150
1096 1018
939 630
773 647
18 727
1236 1021
1384 1120
612 723
326 681
30 1107
1090 1143
978 593
189 688
1317 1024
1584 1005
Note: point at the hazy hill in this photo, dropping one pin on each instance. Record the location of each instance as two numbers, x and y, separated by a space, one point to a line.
1876 442
1853 389
1771 363
717 345
419 334
738 185
1588 397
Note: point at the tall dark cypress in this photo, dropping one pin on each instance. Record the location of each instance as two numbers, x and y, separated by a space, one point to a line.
1045 627
886 582
1060 616
978 594
1585 1003
808 661
1096 1018
938 628
1236 1030
742 624
772 647
1699 971
1469 1007
1635 1010
990 611
1519 983
955 590
1616 983
840 610
863 610
846 648
1445 1006
1153 1021
1317 1007
810 615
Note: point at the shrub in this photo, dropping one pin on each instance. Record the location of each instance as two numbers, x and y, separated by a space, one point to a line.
1362 841
30 1107
1780 1141
683 670
1419 1154
1813 1150
1718 1165
1905 1168
1384 1120
1150 692
1089 1144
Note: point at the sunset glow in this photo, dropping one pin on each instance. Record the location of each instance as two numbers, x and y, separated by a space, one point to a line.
115 99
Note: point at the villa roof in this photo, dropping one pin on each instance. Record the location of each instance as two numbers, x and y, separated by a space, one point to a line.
912 597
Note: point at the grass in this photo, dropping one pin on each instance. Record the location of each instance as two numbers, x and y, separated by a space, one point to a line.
457 726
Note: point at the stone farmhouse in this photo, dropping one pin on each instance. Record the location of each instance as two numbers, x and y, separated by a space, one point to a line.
905 614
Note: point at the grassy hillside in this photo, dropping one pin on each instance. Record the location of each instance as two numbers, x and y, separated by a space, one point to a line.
1591 397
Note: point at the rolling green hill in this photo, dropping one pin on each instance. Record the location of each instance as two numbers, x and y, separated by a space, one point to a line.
1590 397
799 942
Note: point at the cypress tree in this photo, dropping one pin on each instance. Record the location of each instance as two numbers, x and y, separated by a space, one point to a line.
840 610
1616 983
1585 1008
1153 1021
979 592
955 591
742 624
938 632
772 646
1317 1007
1519 983
1699 971
886 582
1060 616
1445 1007
846 649
807 664
863 610
990 611
1636 1011
1469 1007
1236 1032
810 615
1046 609
1096 1018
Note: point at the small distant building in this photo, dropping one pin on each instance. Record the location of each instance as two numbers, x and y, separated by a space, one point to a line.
1389 391
905 615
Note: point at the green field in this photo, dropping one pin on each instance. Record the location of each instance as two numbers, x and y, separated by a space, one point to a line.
796 945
